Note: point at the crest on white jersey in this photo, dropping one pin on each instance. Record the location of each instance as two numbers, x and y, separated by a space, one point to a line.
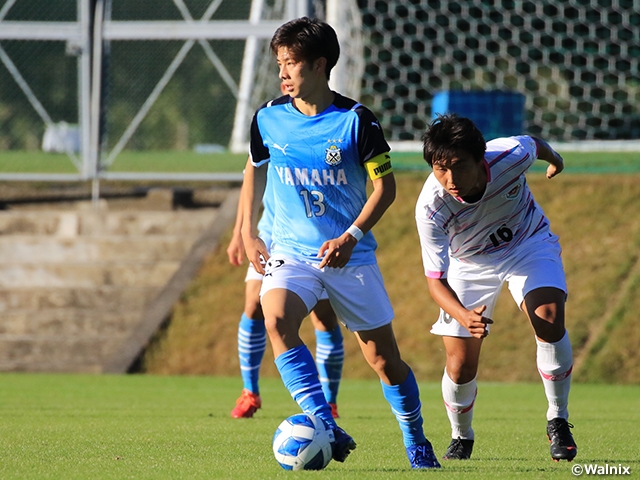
333 155
513 192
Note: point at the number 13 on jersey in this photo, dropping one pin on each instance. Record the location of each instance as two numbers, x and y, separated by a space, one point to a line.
313 203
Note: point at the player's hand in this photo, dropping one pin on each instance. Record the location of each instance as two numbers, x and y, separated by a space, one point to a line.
235 250
556 167
257 253
336 253
476 323
553 170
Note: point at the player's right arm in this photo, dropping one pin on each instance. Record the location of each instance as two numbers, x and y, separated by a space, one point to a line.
255 180
447 300
434 242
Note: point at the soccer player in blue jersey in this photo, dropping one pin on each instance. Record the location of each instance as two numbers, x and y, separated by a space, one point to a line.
252 335
321 149
479 228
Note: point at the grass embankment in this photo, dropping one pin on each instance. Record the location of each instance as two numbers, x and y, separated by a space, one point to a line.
596 219
158 427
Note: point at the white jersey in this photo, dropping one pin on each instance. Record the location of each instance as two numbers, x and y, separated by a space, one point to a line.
488 230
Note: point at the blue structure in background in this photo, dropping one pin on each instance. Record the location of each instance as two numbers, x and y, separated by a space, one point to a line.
496 113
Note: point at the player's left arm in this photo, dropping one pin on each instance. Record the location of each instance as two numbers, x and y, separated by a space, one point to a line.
548 154
381 198
337 251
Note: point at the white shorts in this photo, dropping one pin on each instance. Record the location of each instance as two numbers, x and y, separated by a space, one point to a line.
535 264
252 274
357 294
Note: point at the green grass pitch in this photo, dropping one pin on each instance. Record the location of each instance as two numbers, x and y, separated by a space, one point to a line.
188 161
160 427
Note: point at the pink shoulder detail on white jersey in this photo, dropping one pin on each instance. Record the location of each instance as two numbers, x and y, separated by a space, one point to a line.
436 275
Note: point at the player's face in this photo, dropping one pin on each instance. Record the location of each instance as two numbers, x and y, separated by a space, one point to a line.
461 176
299 78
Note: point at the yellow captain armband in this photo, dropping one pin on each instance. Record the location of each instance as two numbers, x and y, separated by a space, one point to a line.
379 166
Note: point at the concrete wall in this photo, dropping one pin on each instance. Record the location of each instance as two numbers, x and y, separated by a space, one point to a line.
83 287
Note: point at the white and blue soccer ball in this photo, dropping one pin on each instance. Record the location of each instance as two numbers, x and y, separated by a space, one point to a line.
303 442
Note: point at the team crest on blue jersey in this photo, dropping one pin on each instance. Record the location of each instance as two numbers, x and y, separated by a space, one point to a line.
333 155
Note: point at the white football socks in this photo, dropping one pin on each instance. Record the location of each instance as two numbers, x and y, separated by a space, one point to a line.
555 362
459 401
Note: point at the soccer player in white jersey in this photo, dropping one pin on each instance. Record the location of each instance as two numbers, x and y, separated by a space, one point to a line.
479 227
252 335
322 148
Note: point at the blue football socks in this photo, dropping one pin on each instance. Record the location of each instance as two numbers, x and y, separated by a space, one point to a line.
300 376
252 342
329 360
405 405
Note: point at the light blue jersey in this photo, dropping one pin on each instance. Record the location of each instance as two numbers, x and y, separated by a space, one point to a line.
317 173
265 225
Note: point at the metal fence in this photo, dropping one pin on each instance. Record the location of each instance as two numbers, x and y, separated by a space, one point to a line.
92 79
99 81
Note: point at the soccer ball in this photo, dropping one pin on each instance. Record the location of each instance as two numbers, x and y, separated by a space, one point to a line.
303 442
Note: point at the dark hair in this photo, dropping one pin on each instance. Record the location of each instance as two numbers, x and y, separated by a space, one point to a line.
308 39
447 135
